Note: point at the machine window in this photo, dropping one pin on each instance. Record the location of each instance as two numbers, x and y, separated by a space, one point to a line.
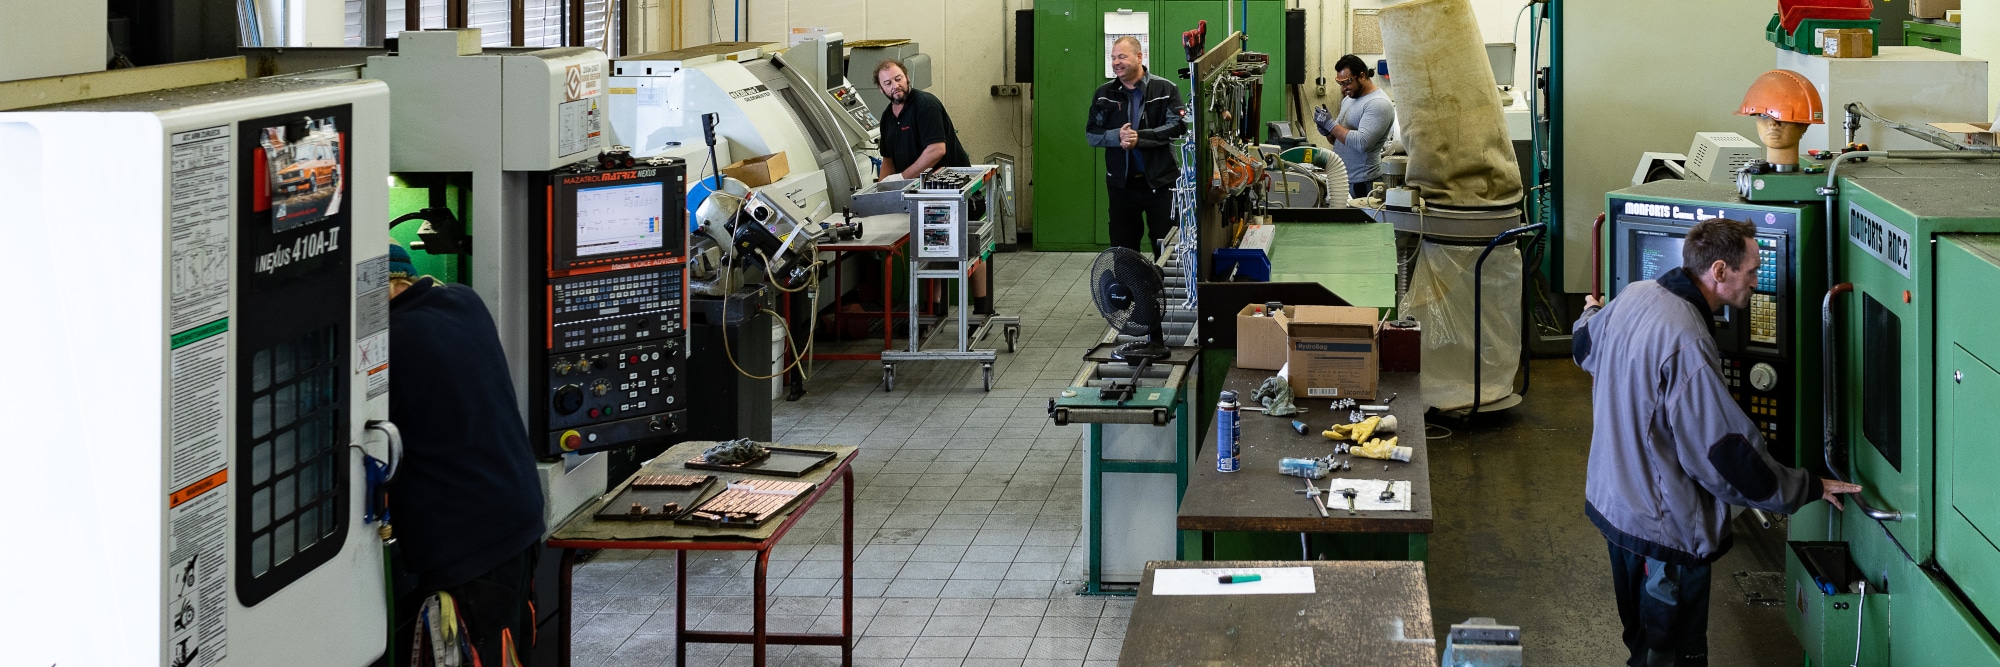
1882 380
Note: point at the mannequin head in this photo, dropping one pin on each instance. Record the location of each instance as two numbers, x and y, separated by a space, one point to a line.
1780 139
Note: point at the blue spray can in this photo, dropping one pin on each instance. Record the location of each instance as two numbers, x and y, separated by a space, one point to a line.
1227 432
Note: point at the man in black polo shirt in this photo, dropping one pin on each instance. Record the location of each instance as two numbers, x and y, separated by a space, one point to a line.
916 132
466 505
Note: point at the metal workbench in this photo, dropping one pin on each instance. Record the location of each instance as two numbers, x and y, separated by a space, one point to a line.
1375 613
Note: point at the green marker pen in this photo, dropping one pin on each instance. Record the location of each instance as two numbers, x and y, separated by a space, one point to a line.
1238 578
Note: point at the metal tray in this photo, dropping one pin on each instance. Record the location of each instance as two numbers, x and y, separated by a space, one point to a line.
782 462
777 512
619 509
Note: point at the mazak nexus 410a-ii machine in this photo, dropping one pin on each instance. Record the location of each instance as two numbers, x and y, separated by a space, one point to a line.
1770 353
204 287
613 285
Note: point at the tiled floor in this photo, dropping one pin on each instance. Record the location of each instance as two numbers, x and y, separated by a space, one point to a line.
967 516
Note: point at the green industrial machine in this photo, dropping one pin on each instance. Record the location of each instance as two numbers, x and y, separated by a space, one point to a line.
1070 199
1770 354
1915 399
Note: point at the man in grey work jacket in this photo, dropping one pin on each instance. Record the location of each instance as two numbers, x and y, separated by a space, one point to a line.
1134 118
1671 450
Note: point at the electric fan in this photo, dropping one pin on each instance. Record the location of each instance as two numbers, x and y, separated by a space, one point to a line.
1129 289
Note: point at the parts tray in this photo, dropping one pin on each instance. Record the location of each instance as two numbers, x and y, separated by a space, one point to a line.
781 462
688 518
619 509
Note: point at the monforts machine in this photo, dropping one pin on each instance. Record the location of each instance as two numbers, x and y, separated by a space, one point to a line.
1770 354
209 344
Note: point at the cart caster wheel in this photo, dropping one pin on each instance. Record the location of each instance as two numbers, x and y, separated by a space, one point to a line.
1013 334
888 378
987 371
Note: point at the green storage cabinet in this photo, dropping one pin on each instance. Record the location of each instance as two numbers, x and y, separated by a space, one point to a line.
1070 201
1931 36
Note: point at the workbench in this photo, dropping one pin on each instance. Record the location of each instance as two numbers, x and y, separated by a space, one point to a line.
586 531
1258 499
1375 613
888 234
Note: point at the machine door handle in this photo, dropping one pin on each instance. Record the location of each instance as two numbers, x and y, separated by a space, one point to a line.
395 437
1931 39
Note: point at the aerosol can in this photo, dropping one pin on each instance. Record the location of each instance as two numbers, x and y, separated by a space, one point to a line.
1227 431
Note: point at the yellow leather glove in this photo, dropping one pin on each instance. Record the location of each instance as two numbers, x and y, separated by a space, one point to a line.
1358 432
1382 449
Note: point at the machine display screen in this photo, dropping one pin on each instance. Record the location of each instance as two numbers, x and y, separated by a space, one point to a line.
620 219
1654 253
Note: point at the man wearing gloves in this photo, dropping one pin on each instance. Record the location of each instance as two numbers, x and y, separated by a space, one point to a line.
1362 125
1671 451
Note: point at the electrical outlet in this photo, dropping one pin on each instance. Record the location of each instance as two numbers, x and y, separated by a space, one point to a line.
1006 90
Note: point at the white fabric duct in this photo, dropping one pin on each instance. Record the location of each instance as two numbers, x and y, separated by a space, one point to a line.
1448 106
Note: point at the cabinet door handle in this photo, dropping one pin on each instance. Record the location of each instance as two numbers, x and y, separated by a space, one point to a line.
1931 39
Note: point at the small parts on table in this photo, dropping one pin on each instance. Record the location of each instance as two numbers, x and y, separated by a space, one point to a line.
668 481
733 453
668 509
750 502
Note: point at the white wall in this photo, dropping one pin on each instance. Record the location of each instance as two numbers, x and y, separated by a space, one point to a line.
1979 37
1624 96
41 38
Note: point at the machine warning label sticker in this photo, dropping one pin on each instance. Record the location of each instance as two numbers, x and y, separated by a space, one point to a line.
1885 241
197 408
371 323
198 206
196 574
577 126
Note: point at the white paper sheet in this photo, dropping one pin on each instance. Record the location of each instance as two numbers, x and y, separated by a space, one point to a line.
1368 493
1202 581
1120 24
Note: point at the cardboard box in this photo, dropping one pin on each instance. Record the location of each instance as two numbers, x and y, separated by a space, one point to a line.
1977 134
1850 43
1260 340
759 171
1332 351
1932 9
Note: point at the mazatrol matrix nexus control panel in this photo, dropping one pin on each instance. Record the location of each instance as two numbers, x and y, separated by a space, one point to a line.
614 287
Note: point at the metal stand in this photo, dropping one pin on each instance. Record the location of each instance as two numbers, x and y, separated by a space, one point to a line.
922 270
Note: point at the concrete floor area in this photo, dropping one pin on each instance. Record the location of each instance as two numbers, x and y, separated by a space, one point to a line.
968 506
1511 541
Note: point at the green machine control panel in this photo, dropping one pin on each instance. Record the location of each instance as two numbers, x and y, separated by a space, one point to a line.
1770 351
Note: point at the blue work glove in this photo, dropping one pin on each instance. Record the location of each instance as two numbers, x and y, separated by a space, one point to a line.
1323 119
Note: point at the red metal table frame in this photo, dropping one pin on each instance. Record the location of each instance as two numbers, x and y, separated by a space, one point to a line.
889 252
759 636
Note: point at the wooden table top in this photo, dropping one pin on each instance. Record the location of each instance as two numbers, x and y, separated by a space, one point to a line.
1375 613
1257 498
585 531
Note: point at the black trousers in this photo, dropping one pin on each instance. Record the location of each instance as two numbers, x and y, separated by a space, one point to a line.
489 603
1137 209
1664 608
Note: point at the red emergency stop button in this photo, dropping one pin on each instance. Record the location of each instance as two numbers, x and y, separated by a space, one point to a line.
571 440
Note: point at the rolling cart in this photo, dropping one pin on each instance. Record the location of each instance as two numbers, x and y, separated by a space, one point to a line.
950 231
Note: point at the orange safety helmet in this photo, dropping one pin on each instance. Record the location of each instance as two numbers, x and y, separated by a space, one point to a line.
1783 95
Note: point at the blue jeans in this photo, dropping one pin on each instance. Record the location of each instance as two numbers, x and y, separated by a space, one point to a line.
1664 607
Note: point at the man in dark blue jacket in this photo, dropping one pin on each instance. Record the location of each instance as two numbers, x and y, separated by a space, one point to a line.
465 504
1135 118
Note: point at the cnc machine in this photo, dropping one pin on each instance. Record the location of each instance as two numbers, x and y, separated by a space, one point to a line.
207 329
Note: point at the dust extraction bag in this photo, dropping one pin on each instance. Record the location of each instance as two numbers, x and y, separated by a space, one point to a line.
1447 103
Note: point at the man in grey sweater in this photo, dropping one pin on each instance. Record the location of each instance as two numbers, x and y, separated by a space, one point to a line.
1671 450
1361 127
